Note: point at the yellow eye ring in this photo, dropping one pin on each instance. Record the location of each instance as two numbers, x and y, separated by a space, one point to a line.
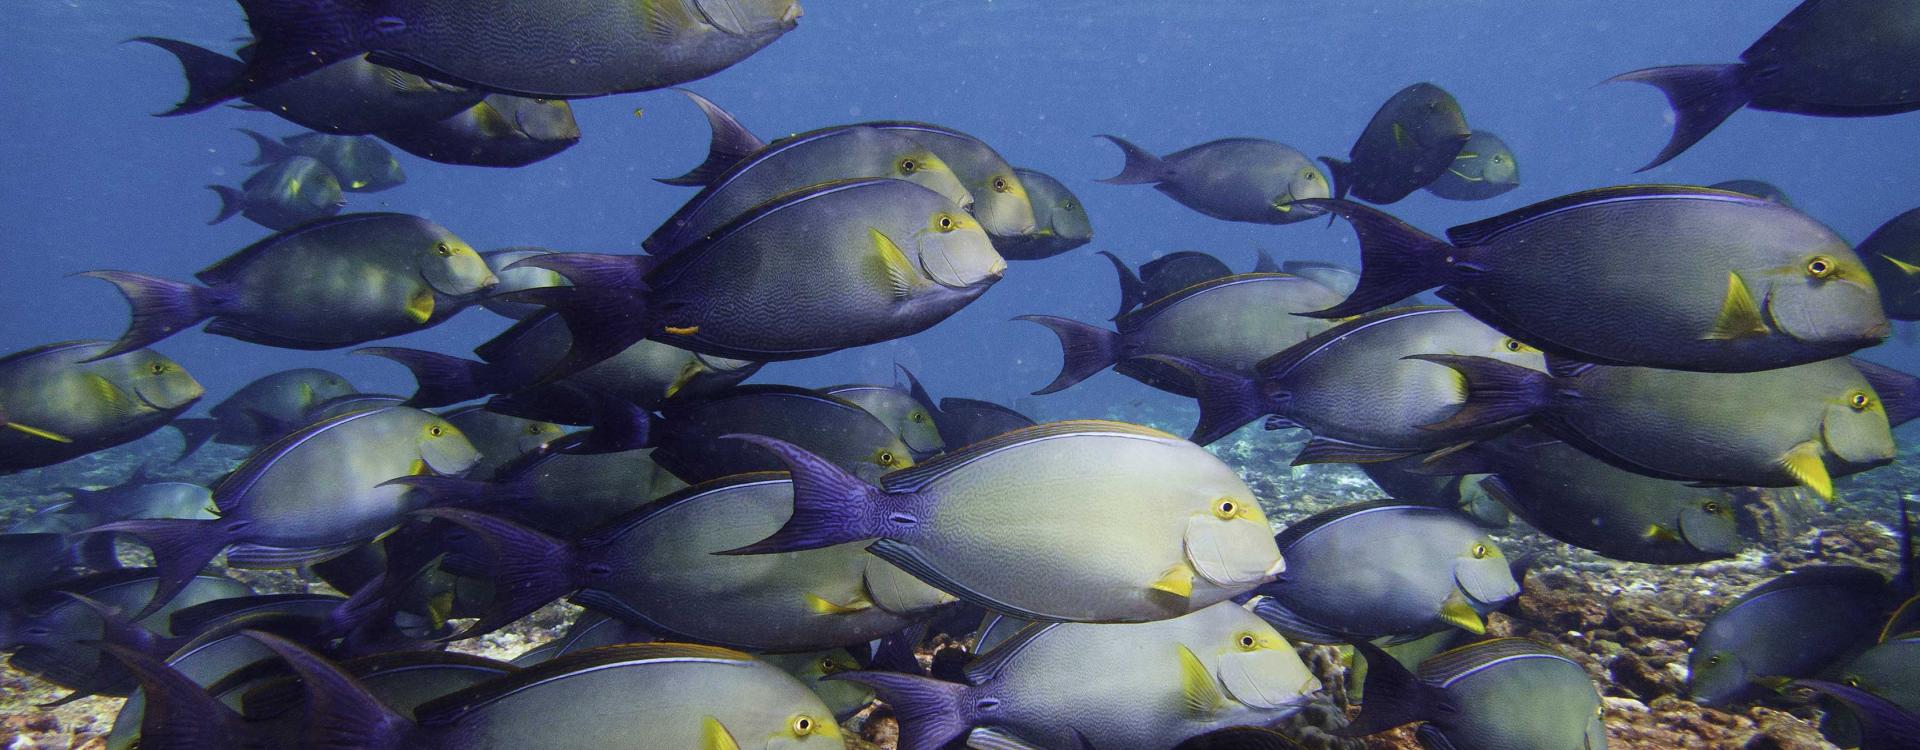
828 667
946 223
1247 641
1309 174
909 166
1226 508
1711 507
158 368
435 431
886 457
802 725
1000 185
1821 266
1480 552
534 429
918 416
1513 345
444 250
1859 401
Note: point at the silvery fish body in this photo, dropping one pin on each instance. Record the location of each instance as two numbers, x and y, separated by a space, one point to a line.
62 401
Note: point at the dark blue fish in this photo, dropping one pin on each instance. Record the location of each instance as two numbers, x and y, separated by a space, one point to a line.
1799 625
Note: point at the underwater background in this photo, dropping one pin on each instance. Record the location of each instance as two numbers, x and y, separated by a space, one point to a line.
92 181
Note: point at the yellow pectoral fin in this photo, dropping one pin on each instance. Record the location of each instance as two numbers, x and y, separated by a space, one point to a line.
1458 613
1199 692
1177 581
439 608
1905 267
1658 533
420 306
821 606
714 736
896 272
111 397
1739 316
1809 469
1466 155
1399 136
418 468
686 375
37 432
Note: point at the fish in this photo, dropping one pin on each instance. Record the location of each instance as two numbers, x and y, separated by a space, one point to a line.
1755 188
498 131
1411 141
524 277
308 497
348 97
1823 420
1177 529
965 421
1167 274
851 263
282 195
29 560
1232 179
793 163
646 373
1744 284
1378 569
55 633
1797 625
1484 168
645 566
1886 671
140 496
1826 58
1892 255
1359 387
1499 693
280 291
902 408
65 400
617 47
1583 501
1412 480
1229 324
360 163
1884 725
561 493
501 439
264 409
1060 220
1330 275
1139 685
1241 738
690 439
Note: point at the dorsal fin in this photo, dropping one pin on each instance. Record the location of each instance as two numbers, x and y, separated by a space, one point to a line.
1484 231
1447 666
1279 364
731 143
1299 530
450 707
914 478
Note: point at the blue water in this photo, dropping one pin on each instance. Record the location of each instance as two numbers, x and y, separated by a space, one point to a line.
90 180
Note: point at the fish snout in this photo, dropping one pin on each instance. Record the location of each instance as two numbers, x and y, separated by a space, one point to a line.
998 269
791 18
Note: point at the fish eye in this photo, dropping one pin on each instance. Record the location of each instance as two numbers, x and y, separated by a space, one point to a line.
1821 266
1310 174
1480 552
1498 159
157 368
534 429
435 431
1226 508
885 456
946 223
1512 345
827 666
1859 401
444 250
918 416
1000 185
1852 681
1711 506
802 725
1247 641
1713 660
909 166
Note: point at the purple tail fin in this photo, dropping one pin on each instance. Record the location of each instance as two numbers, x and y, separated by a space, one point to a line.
1498 394
529 568
1340 173
731 144
1084 350
1132 292
1397 261
602 321
1899 392
1228 400
1394 696
1883 723
1142 167
1702 96
830 505
232 202
270 149
161 308
441 379
194 432
179 715
932 713
181 549
593 269
209 74
341 714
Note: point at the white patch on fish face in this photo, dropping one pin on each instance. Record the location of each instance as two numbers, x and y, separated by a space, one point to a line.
1233 547
1483 575
452 268
1826 298
1858 436
955 253
1268 675
446 450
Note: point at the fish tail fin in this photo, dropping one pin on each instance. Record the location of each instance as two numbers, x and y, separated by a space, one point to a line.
1498 394
1340 174
442 379
1397 261
1394 696
1702 97
1142 166
209 74
830 505
1084 350
731 144
602 322
181 549
195 432
618 424
161 308
1899 392
270 149
341 713
529 568
179 715
932 713
1132 293
293 38
97 552
1883 723
1228 400
593 269
232 202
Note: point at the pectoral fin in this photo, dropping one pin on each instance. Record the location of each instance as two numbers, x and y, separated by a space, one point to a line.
1739 316
686 376
1399 136
115 400
1809 469
1178 581
1460 614
1659 533
1199 692
714 736
895 269
439 609
821 606
420 307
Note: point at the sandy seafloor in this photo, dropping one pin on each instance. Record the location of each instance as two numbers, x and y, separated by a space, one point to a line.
1629 624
